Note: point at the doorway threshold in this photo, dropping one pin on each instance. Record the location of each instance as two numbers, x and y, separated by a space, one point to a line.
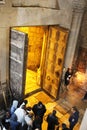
33 92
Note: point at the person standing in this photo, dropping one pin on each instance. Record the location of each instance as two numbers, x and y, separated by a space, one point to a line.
14 106
64 127
14 124
37 123
67 77
85 97
39 109
6 120
73 119
52 120
20 114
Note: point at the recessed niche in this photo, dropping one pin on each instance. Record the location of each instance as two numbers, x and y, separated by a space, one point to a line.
48 77
57 35
50 88
53 81
55 47
59 61
57 73
54 57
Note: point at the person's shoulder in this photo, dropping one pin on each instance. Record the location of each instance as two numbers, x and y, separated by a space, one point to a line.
34 106
43 106
18 110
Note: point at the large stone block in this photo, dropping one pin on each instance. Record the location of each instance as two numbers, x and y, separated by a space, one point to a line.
35 3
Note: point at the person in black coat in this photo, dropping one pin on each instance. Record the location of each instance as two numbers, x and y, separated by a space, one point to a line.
37 123
85 97
68 75
64 127
6 120
52 120
39 109
73 119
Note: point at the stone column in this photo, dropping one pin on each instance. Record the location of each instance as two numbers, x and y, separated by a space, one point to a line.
78 11
4 53
83 125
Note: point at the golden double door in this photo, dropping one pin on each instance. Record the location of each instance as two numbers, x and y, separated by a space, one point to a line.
51 65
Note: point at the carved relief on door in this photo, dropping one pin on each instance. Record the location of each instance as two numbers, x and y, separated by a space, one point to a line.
55 59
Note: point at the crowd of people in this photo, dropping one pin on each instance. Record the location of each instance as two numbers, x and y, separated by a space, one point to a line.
21 117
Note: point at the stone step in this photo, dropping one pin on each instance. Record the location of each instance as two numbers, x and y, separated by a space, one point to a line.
64 104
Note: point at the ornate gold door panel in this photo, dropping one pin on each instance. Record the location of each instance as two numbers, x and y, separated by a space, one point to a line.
57 42
18 52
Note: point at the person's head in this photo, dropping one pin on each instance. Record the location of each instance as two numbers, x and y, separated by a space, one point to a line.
63 126
74 109
8 114
15 103
22 101
40 104
23 104
29 109
23 107
70 70
54 112
25 101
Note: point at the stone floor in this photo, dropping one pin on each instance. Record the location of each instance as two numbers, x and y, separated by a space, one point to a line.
31 80
62 106
67 99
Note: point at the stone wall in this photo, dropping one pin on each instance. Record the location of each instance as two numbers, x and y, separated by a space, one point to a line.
24 16
73 46
83 32
81 60
35 3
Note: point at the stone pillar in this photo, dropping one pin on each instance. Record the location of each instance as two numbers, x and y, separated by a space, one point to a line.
78 11
4 51
83 125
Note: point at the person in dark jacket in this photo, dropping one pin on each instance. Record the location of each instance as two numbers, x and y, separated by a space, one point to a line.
52 120
39 109
73 119
6 120
14 124
37 123
85 97
64 127
68 75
